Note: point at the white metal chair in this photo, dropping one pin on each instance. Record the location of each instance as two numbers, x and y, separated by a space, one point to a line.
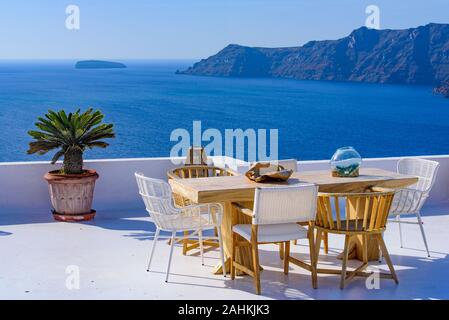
158 199
409 201
276 215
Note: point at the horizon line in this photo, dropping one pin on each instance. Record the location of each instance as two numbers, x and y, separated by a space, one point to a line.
101 59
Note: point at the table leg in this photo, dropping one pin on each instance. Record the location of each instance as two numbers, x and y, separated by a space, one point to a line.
357 242
352 251
243 254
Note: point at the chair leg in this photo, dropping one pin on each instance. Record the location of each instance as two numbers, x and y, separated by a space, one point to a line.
286 257
380 252
317 246
220 241
295 242
423 233
255 251
200 238
383 247
344 263
398 219
153 248
173 237
326 242
185 243
234 244
281 250
312 258
365 249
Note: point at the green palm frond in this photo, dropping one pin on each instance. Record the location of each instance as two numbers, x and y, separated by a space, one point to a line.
59 130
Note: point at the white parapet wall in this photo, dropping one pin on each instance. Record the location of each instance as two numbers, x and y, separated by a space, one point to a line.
23 191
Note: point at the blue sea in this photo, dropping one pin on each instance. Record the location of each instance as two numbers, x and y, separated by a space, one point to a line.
148 100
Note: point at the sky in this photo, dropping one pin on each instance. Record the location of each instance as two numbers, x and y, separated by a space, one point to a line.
190 29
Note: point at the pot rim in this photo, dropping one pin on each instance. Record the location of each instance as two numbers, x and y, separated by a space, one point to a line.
56 175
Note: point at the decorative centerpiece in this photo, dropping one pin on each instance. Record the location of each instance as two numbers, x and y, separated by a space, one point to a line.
267 172
346 162
72 187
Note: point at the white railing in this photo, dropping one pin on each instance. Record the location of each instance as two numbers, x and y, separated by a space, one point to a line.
23 191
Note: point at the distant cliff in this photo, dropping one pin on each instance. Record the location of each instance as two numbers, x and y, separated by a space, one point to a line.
97 64
412 56
443 89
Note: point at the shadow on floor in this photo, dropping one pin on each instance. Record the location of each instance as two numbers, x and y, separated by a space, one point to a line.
22 218
112 219
430 210
413 273
139 228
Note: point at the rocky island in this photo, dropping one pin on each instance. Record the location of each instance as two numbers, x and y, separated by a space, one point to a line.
411 56
443 89
98 64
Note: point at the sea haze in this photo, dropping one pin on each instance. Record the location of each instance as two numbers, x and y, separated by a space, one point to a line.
148 100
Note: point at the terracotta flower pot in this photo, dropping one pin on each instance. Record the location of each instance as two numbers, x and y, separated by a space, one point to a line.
72 195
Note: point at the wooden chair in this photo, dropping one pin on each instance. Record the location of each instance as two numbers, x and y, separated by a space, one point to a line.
196 156
275 217
190 172
195 171
361 215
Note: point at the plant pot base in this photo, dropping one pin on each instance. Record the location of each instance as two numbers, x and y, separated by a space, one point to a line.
74 217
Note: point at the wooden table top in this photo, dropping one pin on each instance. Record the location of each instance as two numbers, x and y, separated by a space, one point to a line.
239 188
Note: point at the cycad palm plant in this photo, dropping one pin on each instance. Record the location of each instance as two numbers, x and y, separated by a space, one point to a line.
72 134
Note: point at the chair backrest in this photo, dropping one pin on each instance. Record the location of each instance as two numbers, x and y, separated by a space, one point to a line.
193 171
290 164
426 170
157 196
289 204
354 212
190 172
196 156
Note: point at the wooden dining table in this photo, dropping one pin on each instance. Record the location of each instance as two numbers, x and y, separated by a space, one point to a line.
239 189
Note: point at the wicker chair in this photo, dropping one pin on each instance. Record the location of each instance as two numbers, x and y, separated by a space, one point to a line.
409 201
190 172
157 196
364 215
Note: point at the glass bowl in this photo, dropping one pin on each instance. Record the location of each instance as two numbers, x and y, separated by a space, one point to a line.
346 162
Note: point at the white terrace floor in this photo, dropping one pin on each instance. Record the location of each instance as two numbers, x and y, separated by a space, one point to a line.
112 254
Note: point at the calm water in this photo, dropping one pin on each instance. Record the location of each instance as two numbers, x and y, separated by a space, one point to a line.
147 101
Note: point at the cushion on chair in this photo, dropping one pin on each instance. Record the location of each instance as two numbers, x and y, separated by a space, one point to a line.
273 232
